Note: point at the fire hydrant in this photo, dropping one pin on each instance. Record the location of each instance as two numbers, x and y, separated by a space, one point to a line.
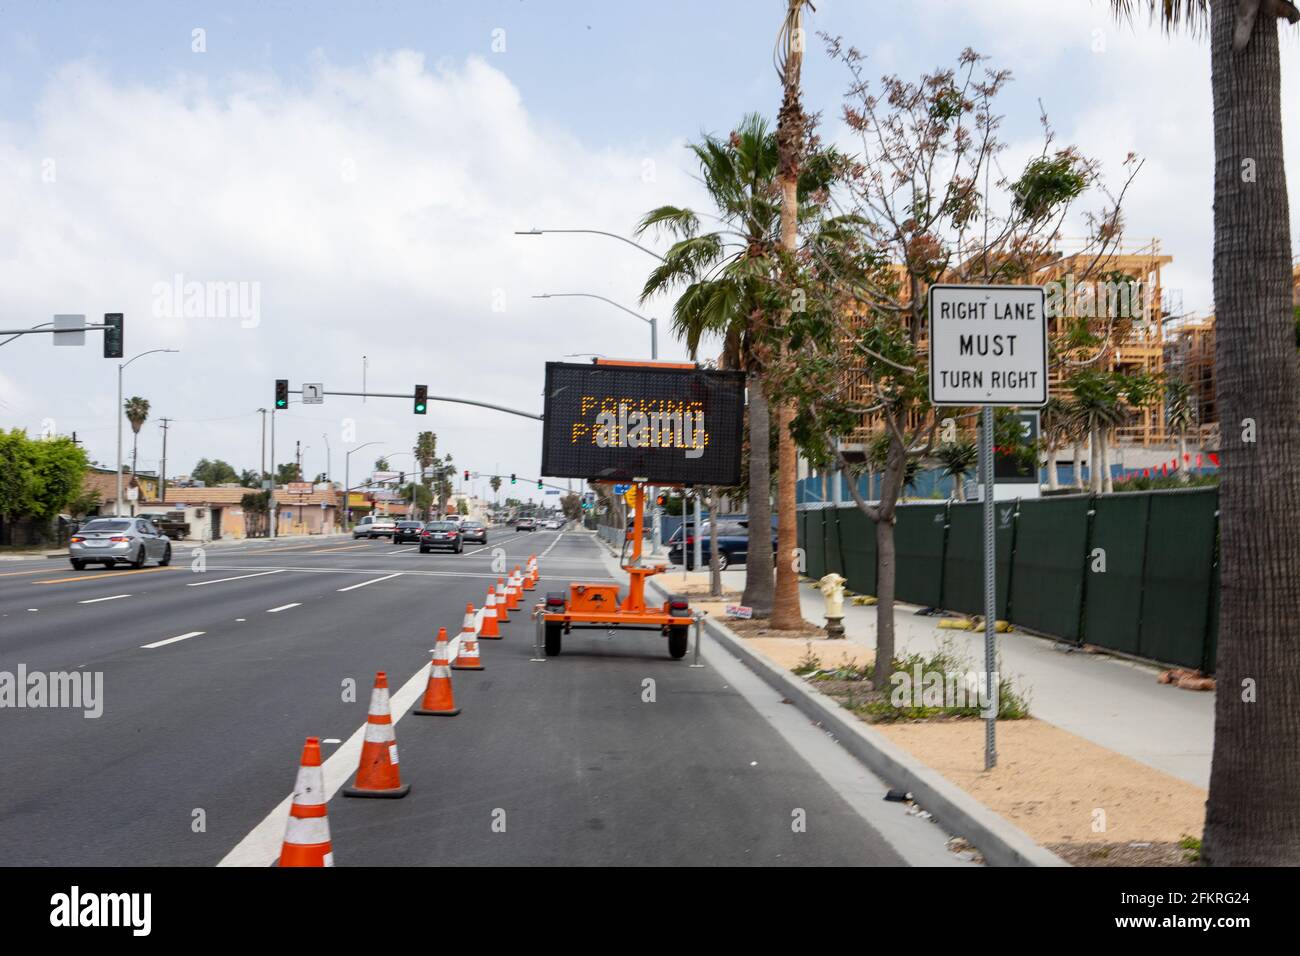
832 588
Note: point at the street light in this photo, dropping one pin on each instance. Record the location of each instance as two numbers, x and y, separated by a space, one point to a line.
328 455
347 490
650 321
594 232
121 413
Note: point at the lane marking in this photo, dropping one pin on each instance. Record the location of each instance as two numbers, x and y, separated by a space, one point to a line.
241 577
346 547
172 640
113 597
386 577
283 607
400 551
11 574
552 545
105 574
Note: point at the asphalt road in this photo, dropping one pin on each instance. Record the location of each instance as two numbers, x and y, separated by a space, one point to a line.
562 762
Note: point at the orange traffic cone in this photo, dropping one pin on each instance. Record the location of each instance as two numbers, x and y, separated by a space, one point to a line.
513 589
438 699
490 631
530 576
503 608
378 774
467 658
307 837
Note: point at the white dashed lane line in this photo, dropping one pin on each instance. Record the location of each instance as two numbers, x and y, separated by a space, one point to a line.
241 577
172 640
283 607
353 587
113 597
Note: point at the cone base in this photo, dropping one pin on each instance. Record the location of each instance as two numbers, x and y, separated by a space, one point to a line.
436 713
392 794
467 667
491 637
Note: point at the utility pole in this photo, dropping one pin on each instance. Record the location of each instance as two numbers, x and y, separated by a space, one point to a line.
270 483
297 459
162 465
262 473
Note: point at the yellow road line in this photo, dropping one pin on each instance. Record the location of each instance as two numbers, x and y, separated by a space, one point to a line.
105 574
349 547
10 574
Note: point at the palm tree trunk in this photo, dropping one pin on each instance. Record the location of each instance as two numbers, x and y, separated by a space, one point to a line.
1103 451
1094 463
959 486
1078 464
1184 466
758 565
1253 811
1053 479
786 615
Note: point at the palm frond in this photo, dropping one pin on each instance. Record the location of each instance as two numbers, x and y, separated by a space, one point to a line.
1194 15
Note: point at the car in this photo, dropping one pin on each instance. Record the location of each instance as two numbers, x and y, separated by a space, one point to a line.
475 531
111 541
407 531
526 524
374 526
553 525
443 535
733 542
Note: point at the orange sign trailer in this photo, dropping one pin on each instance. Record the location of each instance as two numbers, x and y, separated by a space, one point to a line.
597 606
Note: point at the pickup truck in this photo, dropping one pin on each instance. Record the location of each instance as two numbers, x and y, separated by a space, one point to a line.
170 523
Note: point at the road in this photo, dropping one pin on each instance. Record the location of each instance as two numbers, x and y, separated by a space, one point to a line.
213 678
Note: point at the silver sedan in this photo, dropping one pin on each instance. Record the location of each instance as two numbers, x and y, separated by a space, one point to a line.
111 541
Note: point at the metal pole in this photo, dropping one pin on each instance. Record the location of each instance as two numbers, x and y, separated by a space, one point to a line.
162 479
275 515
699 633
990 592
699 529
654 338
117 505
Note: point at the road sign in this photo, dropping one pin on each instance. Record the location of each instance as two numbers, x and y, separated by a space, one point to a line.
313 393
70 330
988 345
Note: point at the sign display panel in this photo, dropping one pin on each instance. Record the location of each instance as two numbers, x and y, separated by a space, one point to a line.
614 422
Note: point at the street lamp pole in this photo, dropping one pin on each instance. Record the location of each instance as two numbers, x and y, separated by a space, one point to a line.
347 484
648 320
121 413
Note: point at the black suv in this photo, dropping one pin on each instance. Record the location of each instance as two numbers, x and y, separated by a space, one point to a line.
407 531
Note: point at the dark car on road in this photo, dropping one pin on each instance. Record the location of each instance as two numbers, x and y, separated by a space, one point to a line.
408 531
526 524
475 531
442 536
733 541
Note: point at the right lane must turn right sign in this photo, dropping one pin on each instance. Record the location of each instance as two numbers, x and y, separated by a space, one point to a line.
988 345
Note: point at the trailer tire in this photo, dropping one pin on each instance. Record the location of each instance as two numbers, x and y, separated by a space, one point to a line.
554 639
678 640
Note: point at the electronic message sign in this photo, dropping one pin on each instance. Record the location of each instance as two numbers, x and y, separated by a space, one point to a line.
658 423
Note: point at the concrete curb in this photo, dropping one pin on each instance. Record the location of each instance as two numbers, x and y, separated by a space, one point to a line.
1001 842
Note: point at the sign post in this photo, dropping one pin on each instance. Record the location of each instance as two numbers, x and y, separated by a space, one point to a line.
988 347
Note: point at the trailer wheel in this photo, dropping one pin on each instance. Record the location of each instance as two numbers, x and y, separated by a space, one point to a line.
678 639
554 638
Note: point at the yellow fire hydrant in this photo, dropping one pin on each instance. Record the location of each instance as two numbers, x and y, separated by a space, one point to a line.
832 588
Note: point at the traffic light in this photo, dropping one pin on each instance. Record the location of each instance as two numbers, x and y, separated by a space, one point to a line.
401 478
512 478
421 399
467 474
661 500
539 484
114 334
281 393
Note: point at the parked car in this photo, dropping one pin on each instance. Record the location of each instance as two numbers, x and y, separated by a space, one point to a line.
407 531
110 541
374 526
554 525
475 531
733 541
443 535
526 524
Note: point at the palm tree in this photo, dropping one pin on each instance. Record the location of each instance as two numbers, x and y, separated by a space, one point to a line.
495 482
1178 418
137 413
959 459
1253 811
728 290
1053 431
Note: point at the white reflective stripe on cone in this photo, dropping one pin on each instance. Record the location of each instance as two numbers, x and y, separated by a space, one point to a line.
441 670
379 733
307 831
379 702
309 788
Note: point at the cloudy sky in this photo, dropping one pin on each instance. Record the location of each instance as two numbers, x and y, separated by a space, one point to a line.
358 169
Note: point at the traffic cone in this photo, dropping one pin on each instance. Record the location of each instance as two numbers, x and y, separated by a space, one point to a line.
307 836
503 608
490 631
378 774
513 589
467 658
438 699
530 576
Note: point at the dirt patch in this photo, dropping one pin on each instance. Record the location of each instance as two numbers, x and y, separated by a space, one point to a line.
789 652
1124 854
763 628
1057 787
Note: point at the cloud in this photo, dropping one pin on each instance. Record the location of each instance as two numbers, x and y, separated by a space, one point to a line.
369 209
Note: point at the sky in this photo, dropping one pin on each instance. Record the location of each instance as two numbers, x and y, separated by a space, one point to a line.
355 172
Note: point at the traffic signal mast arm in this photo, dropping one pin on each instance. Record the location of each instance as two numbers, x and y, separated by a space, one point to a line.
440 398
